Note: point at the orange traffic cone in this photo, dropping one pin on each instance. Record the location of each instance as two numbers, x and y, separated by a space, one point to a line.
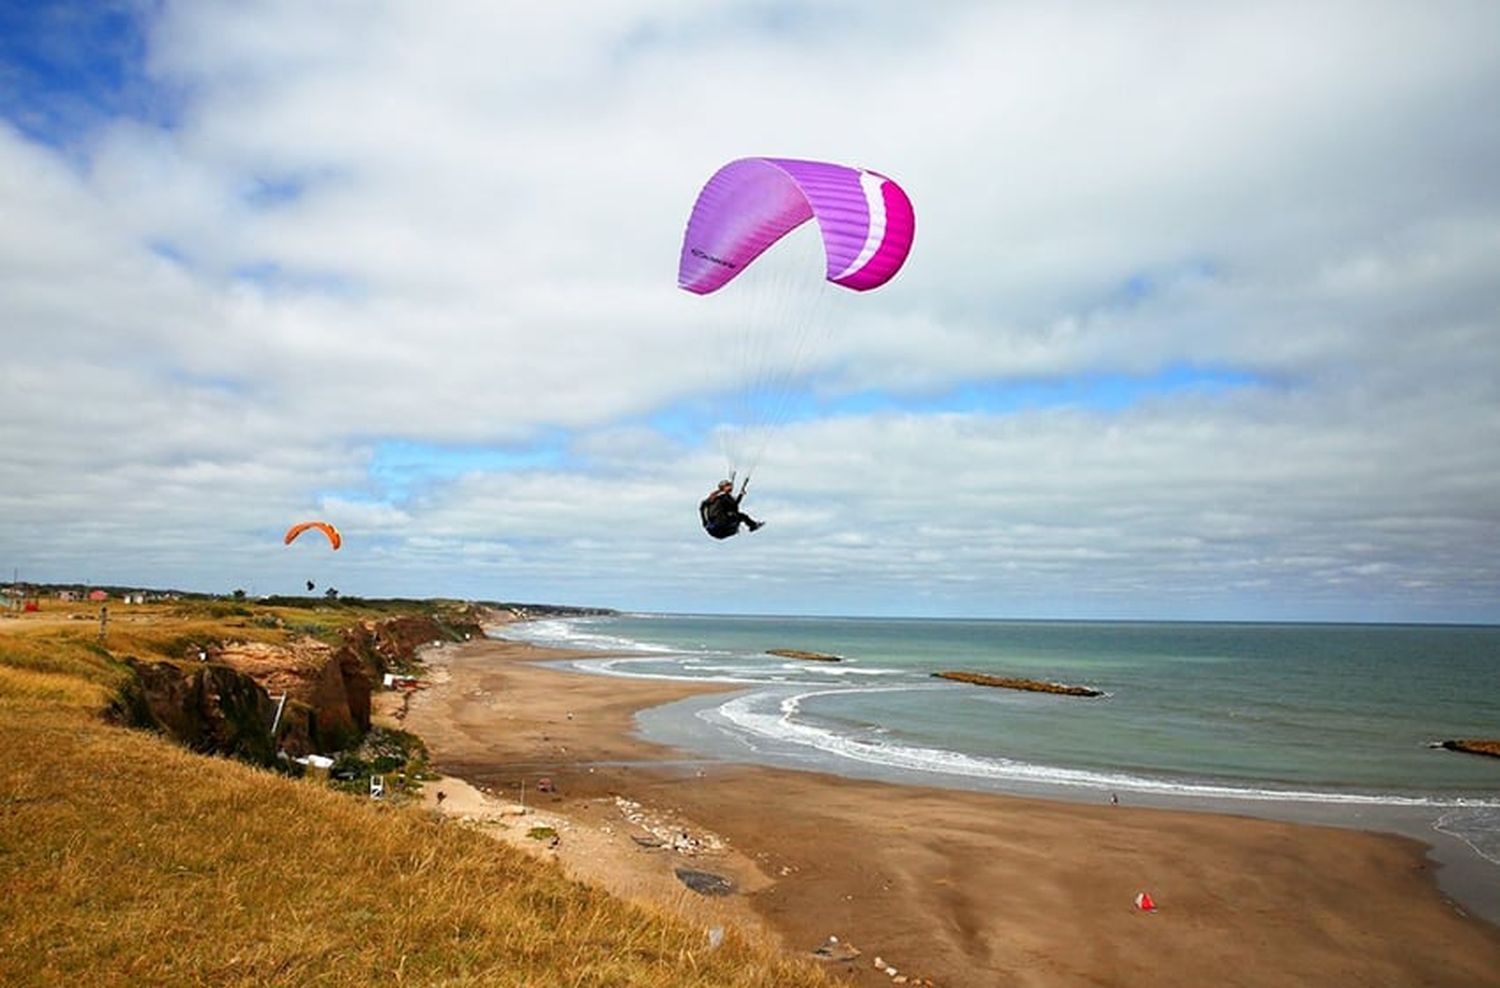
1143 902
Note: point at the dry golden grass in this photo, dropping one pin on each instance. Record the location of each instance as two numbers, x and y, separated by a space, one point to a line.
127 860
48 662
31 687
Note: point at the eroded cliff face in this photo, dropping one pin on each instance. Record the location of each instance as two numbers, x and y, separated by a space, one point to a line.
225 702
212 709
327 689
391 645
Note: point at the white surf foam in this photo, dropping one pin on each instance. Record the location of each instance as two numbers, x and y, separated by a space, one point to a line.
748 714
1475 826
574 633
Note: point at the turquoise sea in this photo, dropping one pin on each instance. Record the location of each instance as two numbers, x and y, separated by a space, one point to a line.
1325 723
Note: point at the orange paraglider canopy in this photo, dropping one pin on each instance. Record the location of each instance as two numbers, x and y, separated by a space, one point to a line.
334 539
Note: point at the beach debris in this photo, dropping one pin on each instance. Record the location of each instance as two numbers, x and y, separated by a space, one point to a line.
835 950
704 882
1144 902
897 978
715 937
654 843
668 832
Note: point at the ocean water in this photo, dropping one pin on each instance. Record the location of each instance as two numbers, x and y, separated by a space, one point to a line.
1332 723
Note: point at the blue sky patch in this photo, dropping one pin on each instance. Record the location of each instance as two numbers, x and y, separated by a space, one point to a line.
267 193
68 67
400 467
168 251
688 421
1141 287
1094 392
273 277
217 383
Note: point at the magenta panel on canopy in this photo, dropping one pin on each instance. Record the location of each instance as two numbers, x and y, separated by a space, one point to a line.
865 219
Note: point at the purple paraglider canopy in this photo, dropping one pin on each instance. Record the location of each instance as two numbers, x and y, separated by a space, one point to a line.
865 219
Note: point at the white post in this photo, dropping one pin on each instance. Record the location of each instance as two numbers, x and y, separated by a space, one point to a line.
276 720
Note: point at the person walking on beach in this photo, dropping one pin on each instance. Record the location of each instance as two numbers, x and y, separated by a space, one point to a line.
720 511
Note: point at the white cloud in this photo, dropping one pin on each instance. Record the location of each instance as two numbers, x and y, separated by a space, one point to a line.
458 225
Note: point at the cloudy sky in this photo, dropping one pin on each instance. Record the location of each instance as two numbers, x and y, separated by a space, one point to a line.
1202 319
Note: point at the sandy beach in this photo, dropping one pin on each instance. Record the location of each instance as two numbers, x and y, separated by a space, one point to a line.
956 888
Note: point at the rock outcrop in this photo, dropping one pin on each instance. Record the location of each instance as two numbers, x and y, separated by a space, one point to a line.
1474 746
223 698
327 689
797 653
1016 683
212 709
391 645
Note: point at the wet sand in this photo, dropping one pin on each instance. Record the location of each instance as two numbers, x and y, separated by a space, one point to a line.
960 888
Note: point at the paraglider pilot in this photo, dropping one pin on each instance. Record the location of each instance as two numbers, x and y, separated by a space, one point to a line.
721 514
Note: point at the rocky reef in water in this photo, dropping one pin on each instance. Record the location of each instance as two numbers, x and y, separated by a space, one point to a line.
797 653
1473 746
1017 683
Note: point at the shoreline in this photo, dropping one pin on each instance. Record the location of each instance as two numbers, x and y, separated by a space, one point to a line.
957 886
1465 873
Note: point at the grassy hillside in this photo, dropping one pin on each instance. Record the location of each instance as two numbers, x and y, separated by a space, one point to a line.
128 860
